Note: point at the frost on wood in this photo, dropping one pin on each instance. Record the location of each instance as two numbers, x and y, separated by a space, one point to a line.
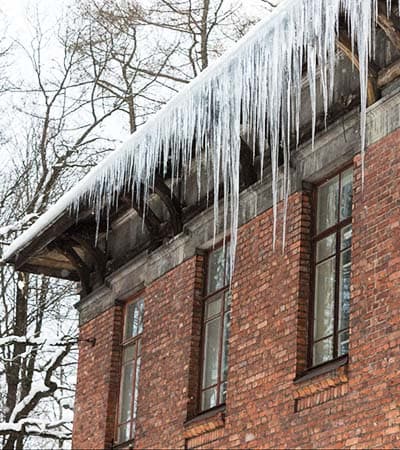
256 86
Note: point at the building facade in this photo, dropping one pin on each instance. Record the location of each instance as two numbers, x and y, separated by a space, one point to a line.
300 347
346 395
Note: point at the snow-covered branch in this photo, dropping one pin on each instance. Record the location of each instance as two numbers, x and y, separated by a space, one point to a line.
17 226
38 427
19 422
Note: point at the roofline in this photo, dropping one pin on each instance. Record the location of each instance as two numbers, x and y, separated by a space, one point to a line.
68 200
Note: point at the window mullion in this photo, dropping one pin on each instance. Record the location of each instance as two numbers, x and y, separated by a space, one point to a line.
134 363
221 343
337 291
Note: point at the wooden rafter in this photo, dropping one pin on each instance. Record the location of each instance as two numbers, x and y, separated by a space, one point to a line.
43 240
388 26
97 258
171 202
344 44
80 266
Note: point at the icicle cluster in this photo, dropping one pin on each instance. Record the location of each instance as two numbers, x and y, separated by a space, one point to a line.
256 86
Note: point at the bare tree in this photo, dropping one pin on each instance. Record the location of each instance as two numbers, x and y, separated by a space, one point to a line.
59 117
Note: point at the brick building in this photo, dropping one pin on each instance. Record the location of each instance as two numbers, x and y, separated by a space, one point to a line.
301 349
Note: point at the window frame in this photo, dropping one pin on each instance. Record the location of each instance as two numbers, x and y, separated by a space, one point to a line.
206 297
124 343
315 238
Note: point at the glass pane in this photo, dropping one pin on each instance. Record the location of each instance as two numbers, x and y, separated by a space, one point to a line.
134 319
327 208
222 393
324 299
323 351
126 393
209 399
213 307
211 351
135 399
128 353
225 344
326 247
216 270
228 264
343 344
344 292
124 432
228 300
346 237
346 194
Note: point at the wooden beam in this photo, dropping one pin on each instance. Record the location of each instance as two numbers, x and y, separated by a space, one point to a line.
97 258
344 44
386 23
388 74
65 274
45 238
171 202
82 269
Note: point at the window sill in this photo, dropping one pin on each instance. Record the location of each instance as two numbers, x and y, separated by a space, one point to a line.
205 422
330 366
128 445
321 384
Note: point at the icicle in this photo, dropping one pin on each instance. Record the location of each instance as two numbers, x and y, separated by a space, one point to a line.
256 87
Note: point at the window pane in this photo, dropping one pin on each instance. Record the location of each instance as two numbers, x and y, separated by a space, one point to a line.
211 352
343 345
216 270
134 319
346 237
213 307
323 351
135 399
344 292
326 247
324 299
128 353
225 343
227 264
327 208
124 432
346 194
222 393
126 393
228 300
209 398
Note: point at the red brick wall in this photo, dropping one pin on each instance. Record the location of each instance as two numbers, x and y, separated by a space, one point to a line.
97 383
357 405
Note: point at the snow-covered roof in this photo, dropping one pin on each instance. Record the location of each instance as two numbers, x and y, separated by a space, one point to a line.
256 85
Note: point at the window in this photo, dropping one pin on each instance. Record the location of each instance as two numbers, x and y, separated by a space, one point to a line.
216 325
332 266
130 370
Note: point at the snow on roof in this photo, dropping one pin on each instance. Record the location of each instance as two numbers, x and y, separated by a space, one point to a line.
250 85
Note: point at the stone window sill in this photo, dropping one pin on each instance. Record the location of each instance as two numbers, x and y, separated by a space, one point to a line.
205 422
329 367
321 384
128 445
